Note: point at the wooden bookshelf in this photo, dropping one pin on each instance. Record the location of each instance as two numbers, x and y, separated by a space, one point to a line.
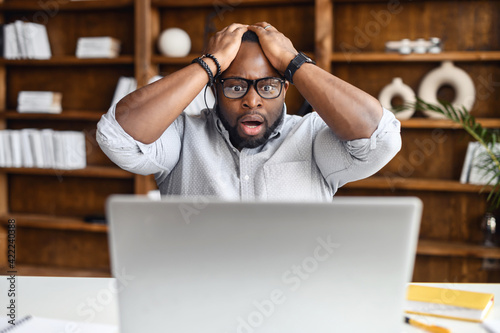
84 115
50 214
70 61
457 56
456 249
416 184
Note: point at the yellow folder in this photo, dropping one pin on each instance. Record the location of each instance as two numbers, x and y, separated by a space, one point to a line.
448 303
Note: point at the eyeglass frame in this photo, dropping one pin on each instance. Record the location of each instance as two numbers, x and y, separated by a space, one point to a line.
252 83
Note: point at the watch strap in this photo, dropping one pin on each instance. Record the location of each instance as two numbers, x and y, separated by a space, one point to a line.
295 64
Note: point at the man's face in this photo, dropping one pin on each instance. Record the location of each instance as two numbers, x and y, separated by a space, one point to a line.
250 119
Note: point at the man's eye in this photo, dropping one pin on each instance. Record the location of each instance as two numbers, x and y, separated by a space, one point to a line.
268 88
236 88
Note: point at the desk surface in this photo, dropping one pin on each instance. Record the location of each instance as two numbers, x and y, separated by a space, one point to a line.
95 300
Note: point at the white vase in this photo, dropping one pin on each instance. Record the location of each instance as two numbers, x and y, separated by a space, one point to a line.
447 74
394 89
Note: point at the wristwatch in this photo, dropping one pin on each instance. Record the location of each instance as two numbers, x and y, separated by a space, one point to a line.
295 64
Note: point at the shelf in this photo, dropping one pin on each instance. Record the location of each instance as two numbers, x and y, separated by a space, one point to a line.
33 270
427 57
228 3
70 61
446 124
89 172
415 184
53 222
456 249
163 60
65 115
50 8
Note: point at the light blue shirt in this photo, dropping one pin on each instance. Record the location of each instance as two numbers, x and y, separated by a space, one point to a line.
302 160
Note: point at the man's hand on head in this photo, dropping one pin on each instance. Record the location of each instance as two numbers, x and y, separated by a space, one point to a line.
224 45
278 49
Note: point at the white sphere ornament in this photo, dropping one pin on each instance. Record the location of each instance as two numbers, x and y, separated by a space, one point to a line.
174 42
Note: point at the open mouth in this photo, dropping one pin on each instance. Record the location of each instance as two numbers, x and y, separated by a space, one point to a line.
252 125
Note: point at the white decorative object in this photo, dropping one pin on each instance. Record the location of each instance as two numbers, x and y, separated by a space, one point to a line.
394 89
447 74
174 42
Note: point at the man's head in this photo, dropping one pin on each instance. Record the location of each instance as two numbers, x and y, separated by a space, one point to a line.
252 108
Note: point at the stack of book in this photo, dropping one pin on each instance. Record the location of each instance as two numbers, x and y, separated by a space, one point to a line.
45 148
39 102
97 47
25 40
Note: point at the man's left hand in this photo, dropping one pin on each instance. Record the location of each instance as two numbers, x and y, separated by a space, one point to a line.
278 49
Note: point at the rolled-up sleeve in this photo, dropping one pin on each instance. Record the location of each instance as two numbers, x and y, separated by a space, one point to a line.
341 162
135 156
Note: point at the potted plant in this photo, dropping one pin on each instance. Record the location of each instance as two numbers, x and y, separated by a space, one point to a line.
489 162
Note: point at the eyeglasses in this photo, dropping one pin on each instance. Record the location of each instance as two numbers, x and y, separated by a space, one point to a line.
237 87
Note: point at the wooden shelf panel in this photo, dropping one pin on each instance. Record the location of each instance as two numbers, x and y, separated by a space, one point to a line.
52 222
415 184
65 115
162 60
32 5
445 123
70 61
89 172
414 57
32 270
229 3
456 249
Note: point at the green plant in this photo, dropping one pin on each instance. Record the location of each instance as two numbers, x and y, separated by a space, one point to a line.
486 137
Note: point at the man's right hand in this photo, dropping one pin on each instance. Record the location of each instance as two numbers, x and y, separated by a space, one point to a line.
224 45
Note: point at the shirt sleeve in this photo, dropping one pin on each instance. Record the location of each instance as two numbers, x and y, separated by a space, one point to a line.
135 156
341 162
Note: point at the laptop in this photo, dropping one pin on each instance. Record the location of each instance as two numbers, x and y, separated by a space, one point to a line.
199 265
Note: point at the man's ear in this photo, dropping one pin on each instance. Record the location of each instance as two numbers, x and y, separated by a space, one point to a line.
285 86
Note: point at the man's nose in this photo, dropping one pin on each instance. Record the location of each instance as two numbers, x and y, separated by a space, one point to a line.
252 99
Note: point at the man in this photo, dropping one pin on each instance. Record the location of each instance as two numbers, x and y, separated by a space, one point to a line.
248 148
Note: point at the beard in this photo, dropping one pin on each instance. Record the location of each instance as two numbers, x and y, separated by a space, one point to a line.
240 142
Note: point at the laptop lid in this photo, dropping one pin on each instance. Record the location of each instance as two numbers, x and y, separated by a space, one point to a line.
195 265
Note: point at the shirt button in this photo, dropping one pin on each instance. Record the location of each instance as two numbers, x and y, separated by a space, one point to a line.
246 177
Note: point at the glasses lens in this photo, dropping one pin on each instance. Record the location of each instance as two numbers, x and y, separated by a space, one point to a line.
269 87
235 88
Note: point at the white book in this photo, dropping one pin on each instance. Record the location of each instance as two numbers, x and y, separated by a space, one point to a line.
2 150
58 140
38 45
27 155
16 148
21 41
75 150
11 47
464 177
36 147
48 147
7 148
478 174
98 47
124 87
39 102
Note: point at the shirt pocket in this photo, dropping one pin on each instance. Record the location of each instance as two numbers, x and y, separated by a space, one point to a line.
289 180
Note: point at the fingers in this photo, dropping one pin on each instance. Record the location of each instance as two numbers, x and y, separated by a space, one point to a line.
234 27
262 26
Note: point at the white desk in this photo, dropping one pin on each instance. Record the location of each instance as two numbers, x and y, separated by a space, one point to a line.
95 300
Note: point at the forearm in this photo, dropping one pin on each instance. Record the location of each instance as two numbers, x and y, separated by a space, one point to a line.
147 112
348 111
